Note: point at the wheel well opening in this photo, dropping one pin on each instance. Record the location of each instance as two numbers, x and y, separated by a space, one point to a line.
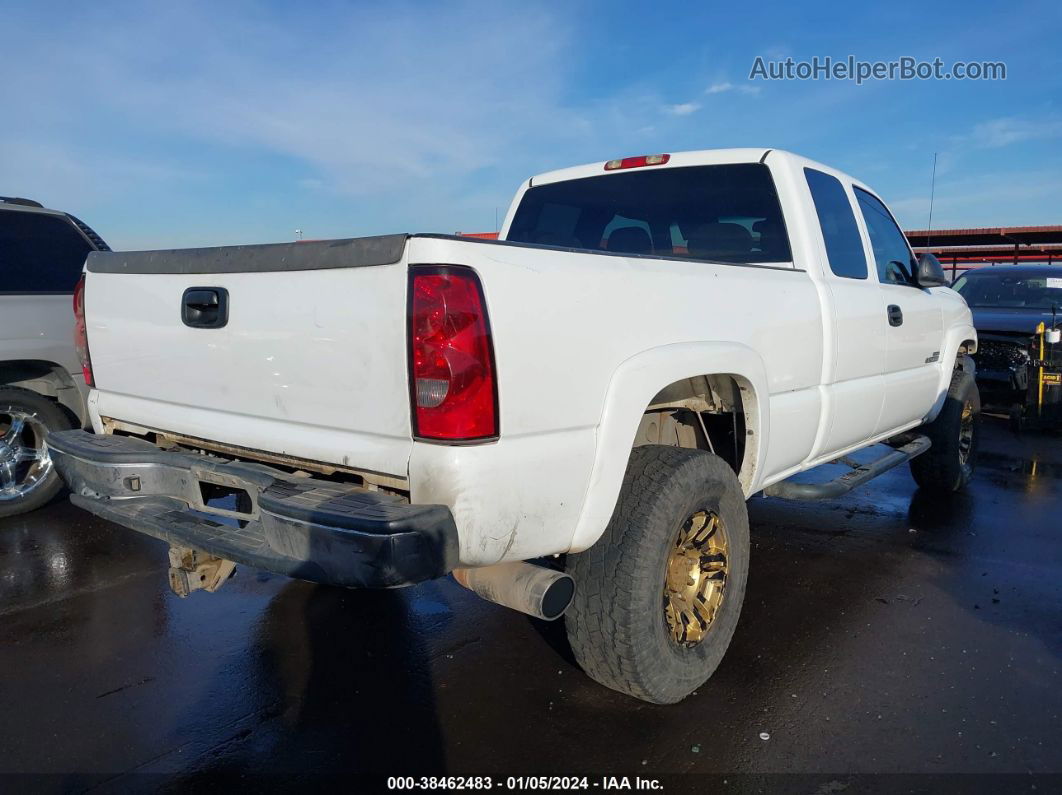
45 378
703 412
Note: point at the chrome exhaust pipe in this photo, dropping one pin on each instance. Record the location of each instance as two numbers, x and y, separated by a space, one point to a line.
534 590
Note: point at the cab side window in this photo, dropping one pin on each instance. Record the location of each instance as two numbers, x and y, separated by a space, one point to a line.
844 246
892 255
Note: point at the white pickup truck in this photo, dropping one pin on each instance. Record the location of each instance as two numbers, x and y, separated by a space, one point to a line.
650 342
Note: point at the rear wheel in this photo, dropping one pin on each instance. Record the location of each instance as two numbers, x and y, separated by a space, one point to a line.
28 479
949 464
658 597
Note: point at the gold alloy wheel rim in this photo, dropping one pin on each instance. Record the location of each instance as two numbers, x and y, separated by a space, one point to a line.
696 577
966 432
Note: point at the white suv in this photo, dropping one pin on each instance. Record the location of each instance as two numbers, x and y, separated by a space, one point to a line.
42 387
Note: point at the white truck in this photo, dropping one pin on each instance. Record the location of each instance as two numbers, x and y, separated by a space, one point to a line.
572 416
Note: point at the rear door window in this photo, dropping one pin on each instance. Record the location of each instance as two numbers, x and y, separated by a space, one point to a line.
844 246
723 213
39 253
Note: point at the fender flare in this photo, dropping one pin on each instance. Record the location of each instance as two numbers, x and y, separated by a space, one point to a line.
954 337
632 387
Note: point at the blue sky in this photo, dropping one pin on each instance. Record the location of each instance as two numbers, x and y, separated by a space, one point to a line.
211 123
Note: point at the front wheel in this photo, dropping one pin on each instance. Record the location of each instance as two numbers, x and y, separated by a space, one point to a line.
657 598
28 479
949 464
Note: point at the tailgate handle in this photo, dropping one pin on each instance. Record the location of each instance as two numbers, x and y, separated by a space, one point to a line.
205 307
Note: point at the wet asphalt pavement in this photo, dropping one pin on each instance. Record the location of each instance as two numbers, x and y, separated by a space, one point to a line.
885 632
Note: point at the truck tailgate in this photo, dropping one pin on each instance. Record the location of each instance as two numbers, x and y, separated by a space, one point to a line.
310 363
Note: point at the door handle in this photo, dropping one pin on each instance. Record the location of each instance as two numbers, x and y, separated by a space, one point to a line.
895 315
205 307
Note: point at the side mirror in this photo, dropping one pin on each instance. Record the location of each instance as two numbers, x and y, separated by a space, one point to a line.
930 272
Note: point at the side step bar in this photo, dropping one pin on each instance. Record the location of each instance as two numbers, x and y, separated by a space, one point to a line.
859 475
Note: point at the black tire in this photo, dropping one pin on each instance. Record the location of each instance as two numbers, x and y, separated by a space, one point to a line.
616 624
947 467
54 418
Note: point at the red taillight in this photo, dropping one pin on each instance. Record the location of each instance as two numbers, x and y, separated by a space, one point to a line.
80 333
451 356
637 162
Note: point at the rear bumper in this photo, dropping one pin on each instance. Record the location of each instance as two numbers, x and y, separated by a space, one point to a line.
314 530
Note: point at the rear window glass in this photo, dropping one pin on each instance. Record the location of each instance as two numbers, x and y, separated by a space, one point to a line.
725 213
39 253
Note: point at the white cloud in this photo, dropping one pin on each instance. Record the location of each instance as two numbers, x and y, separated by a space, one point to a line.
1001 132
381 97
684 109
725 86
77 176
984 199
389 109
370 118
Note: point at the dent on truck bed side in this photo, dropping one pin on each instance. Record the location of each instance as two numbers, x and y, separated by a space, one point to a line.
631 390
514 499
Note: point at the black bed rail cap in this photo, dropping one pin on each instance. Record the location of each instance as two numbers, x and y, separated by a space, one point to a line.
357 252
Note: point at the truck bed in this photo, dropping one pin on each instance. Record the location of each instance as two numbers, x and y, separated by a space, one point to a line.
309 364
